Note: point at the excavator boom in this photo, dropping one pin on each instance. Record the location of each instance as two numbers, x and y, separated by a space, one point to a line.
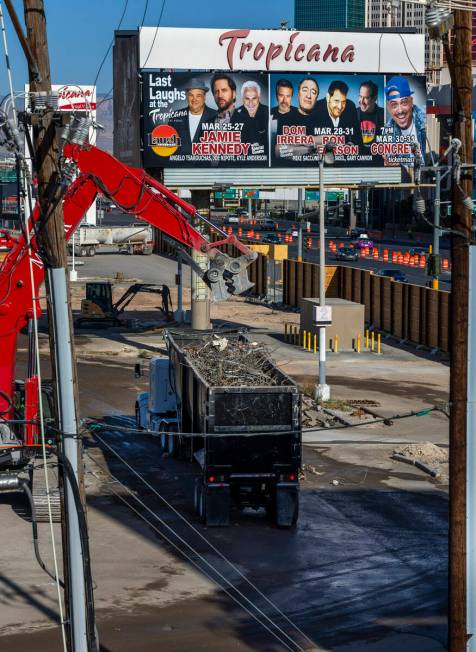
134 192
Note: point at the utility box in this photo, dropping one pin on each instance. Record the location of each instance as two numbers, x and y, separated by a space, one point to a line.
348 322
161 396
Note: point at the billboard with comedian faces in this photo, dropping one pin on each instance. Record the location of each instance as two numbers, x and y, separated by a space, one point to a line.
258 119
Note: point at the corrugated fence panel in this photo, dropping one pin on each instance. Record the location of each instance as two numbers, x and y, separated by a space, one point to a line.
397 312
414 314
375 305
386 301
443 320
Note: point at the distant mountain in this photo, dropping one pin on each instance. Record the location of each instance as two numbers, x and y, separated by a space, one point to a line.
105 118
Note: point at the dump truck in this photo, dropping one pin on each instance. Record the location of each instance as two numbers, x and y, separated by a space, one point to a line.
243 436
136 239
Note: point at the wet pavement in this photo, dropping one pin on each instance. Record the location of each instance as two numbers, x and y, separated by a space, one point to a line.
365 569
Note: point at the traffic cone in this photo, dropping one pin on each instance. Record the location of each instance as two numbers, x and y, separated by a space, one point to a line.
341 245
257 236
394 257
385 255
309 243
411 262
240 231
400 258
375 253
445 265
422 262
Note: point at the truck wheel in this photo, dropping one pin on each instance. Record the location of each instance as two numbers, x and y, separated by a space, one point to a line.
139 427
91 251
202 506
83 252
171 445
286 511
196 495
216 506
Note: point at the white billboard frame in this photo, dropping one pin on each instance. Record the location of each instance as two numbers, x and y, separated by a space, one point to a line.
281 50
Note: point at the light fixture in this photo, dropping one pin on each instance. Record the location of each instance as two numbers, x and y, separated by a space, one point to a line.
438 21
419 203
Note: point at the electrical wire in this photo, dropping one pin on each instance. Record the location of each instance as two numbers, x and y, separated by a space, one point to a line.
144 65
94 425
111 43
203 559
145 12
7 61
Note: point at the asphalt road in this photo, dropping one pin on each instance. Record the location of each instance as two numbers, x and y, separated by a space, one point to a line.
142 269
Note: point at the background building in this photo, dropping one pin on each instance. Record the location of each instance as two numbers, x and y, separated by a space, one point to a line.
385 13
322 14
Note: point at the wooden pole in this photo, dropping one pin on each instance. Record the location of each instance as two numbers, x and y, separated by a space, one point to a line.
461 222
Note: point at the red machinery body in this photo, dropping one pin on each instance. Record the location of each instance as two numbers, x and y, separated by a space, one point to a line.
132 190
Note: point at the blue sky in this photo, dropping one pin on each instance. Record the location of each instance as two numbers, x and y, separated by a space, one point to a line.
79 33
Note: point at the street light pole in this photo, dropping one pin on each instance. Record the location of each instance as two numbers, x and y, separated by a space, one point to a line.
299 217
436 228
322 390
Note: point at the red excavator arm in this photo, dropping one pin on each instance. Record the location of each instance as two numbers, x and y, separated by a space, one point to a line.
134 192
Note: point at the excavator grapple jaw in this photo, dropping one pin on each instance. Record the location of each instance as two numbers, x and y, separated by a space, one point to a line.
227 276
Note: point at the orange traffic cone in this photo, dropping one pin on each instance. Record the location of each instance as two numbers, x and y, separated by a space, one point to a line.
240 231
422 262
375 253
309 243
445 265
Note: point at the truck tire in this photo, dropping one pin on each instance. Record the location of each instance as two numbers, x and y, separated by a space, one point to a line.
197 490
286 509
138 426
202 506
91 251
171 445
83 252
215 506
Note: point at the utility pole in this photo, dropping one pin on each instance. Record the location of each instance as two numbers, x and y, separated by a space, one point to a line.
461 222
46 147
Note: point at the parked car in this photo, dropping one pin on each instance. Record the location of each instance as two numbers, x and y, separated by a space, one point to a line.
242 212
396 274
272 238
347 253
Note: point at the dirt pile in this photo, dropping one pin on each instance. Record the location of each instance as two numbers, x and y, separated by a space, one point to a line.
426 452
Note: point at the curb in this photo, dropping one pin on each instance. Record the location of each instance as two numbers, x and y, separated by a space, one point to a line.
417 463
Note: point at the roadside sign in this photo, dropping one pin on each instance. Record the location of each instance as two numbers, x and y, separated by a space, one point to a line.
311 195
334 196
249 193
228 194
322 315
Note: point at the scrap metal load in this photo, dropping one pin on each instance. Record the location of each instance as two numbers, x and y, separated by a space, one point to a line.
231 361
245 416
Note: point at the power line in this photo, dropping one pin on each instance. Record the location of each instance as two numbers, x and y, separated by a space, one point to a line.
111 43
155 33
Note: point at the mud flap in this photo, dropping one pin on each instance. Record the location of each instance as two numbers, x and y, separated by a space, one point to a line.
287 505
217 505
